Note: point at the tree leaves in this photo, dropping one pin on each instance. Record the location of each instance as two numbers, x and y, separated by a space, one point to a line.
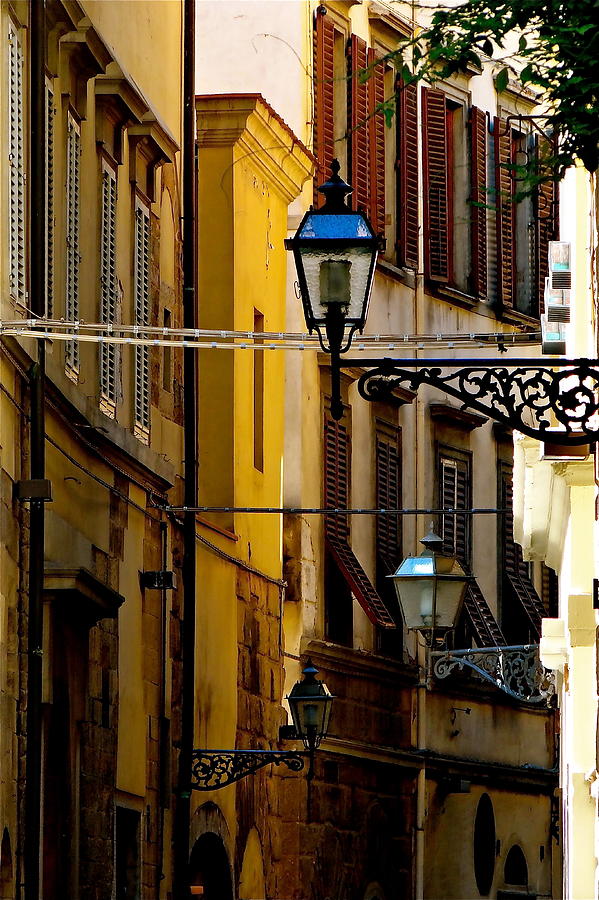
501 80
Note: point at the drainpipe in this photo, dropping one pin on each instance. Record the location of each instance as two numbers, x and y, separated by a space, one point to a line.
182 823
37 301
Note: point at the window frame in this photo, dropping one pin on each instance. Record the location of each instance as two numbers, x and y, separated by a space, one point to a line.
109 297
17 172
141 313
72 232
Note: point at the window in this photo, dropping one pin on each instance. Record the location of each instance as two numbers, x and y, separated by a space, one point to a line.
344 576
447 191
521 607
523 228
49 201
388 531
484 845
16 168
167 354
72 240
141 293
349 119
477 622
258 396
407 175
454 493
108 289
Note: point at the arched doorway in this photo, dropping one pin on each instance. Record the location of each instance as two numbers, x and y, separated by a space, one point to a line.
6 885
209 868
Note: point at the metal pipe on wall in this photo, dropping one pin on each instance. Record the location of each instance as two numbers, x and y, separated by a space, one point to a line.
182 823
37 294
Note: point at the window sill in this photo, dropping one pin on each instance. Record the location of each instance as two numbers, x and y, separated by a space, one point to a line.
403 276
453 295
515 317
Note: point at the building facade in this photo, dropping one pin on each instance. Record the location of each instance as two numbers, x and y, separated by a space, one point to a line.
410 762
110 704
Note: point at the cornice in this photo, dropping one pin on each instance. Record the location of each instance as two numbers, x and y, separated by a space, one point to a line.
225 120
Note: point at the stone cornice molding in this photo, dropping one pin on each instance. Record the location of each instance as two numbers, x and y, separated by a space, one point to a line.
248 121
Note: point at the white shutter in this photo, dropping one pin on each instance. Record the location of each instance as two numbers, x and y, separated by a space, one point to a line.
108 291
49 202
16 168
72 248
142 317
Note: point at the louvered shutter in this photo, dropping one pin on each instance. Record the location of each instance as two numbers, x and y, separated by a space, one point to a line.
324 80
478 199
388 496
504 183
72 236
482 621
546 223
436 210
516 570
108 288
141 289
454 489
336 496
376 121
336 477
358 103
407 174
16 169
49 153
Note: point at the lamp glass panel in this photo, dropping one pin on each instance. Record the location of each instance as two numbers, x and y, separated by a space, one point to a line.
450 594
359 259
415 597
337 226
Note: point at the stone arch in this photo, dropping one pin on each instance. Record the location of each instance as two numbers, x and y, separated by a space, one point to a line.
210 858
6 879
252 884
515 870
374 892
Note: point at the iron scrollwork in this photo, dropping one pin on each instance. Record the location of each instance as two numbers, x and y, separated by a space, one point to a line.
528 396
515 670
214 769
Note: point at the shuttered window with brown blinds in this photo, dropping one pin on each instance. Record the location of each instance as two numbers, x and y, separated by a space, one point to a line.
436 193
407 171
547 224
336 496
478 200
504 191
454 489
359 122
388 496
522 608
376 122
324 95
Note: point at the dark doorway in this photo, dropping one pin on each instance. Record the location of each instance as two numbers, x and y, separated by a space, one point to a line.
209 868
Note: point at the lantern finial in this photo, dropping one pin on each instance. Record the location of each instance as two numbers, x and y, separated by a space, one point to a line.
335 190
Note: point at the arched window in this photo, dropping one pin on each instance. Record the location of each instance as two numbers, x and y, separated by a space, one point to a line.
6 885
484 845
516 869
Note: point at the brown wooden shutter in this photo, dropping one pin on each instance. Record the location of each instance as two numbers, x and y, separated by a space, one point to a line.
336 477
482 621
436 212
376 123
324 80
515 567
359 124
407 174
504 183
478 219
455 494
388 496
546 224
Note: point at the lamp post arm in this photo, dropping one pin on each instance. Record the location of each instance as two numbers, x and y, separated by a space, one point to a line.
214 769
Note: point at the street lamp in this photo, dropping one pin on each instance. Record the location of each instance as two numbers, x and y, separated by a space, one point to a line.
335 251
310 702
430 589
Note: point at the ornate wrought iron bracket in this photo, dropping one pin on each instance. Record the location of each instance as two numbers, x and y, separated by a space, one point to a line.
515 670
553 400
214 769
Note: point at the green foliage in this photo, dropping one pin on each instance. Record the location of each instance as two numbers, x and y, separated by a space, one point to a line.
556 53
